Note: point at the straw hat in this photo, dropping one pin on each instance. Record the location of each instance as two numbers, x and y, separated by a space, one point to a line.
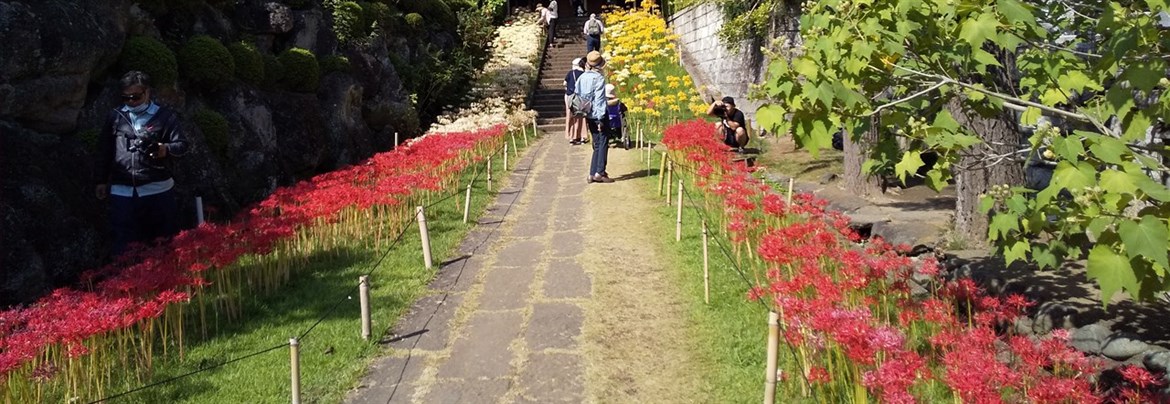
595 60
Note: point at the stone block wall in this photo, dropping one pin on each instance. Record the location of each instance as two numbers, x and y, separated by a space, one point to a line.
717 70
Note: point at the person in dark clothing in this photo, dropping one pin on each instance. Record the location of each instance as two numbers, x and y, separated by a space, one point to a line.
732 126
575 131
133 167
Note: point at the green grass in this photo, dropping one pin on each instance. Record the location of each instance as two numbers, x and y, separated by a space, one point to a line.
730 332
333 355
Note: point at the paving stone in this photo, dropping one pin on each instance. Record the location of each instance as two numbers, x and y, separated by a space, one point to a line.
567 279
483 350
554 325
468 391
530 228
478 238
567 244
458 274
567 220
553 378
547 188
427 325
520 253
389 380
507 288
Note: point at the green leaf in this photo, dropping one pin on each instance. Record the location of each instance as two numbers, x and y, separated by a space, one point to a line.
1043 256
1066 175
986 202
1053 96
1098 226
1117 181
1069 148
1031 116
983 59
1144 76
975 31
806 68
943 119
936 180
1015 11
1018 204
770 116
1108 150
1018 251
1156 5
1002 224
1146 238
1077 80
910 163
1111 271
1150 187
1136 126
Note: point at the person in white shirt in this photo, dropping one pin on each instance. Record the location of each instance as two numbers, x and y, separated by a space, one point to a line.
552 19
593 30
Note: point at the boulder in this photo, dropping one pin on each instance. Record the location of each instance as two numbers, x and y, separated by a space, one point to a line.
1052 315
264 17
312 31
1090 338
1157 361
1122 346
50 52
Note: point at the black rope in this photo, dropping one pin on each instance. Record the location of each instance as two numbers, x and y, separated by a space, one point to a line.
191 373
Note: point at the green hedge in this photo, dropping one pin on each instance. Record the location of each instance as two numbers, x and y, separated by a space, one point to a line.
151 57
249 62
207 63
301 71
335 63
349 22
414 21
273 72
215 130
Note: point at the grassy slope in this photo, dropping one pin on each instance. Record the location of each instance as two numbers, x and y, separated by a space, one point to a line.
333 355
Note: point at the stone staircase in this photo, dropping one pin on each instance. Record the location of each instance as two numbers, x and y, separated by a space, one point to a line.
549 98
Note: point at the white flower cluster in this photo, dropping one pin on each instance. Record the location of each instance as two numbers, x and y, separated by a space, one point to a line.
501 87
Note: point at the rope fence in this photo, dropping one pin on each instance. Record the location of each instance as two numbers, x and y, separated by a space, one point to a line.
362 285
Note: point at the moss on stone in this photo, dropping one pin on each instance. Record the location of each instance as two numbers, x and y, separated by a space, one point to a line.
207 63
249 62
335 63
215 130
301 71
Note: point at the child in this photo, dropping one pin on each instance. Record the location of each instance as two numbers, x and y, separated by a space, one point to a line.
615 117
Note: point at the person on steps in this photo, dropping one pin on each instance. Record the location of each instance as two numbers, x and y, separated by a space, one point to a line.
593 30
552 20
591 86
574 125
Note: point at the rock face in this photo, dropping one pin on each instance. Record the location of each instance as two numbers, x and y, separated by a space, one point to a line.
50 52
58 82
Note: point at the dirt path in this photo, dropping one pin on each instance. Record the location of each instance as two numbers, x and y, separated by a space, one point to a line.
561 295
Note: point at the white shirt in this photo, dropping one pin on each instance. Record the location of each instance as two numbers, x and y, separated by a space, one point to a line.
552 9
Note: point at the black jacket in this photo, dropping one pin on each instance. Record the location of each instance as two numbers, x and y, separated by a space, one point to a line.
119 161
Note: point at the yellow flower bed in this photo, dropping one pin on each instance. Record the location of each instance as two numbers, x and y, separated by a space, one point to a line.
644 67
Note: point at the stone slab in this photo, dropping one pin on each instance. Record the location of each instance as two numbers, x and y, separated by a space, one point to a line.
553 378
520 253
567 220
507 288
567 279
483 351
468 391
567 244
530 228
389 380
459 273
554 325
427 326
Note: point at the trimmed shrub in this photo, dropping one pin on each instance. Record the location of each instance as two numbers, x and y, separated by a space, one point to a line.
349 22
151 57
414 21
273 72
335 63
207 63
215 130
249 62
301 71
376 13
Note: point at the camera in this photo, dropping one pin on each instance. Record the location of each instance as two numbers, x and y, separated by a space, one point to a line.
144 145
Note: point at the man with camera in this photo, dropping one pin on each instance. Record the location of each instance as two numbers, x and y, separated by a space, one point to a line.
732 125
135 148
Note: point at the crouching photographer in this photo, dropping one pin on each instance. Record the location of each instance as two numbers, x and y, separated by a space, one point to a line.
133 165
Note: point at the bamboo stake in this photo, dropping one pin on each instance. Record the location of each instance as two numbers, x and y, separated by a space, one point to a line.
661 173
669 179
295 365
678 220
534 127
467 203
773 347
395 140
426 238
199 210
790 183
525 138
706 274
515 150
489 173
364 298
505 155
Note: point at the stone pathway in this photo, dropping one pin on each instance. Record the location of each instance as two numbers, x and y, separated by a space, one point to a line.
505 322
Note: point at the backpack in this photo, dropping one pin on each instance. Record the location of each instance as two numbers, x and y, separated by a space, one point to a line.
579 106
593 27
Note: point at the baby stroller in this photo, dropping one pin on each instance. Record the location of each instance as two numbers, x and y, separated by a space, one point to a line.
615 125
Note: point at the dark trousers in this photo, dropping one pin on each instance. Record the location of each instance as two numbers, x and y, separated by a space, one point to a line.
600 147
552 29
592 43
141 219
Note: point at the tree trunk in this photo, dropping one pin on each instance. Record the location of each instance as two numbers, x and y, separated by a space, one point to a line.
856 152
975 175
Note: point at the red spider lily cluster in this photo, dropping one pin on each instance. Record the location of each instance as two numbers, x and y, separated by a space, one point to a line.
849 313
78 339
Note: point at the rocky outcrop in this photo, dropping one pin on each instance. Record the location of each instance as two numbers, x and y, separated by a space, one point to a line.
50 53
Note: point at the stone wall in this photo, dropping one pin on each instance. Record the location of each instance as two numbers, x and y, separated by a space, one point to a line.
717 70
